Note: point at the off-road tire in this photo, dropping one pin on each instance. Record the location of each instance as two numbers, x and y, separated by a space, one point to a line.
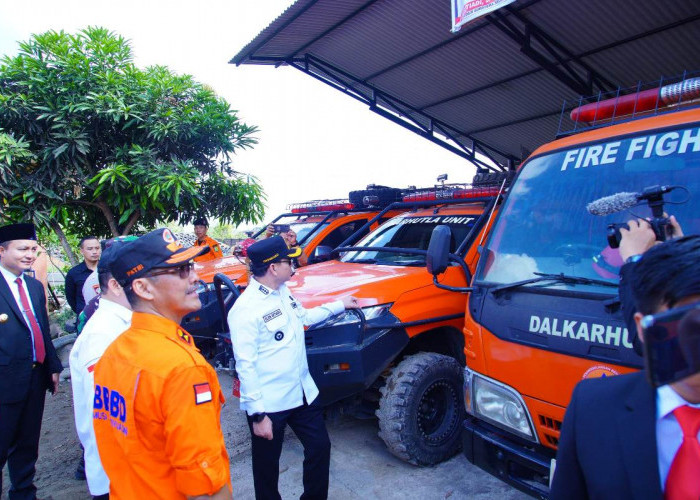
421 409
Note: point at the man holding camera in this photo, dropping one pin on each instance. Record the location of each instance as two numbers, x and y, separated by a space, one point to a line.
276 386
623 437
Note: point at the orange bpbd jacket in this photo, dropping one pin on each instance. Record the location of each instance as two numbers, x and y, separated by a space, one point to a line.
214 252
156 415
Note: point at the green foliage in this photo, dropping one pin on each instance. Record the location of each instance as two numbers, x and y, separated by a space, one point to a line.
105 146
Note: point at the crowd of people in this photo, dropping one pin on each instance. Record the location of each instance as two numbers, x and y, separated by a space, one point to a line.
139 381
148 405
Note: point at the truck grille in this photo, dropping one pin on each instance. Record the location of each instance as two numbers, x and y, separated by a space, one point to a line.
551 428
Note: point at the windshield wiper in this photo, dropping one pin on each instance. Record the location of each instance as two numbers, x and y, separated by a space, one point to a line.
407 263
561 278
363 261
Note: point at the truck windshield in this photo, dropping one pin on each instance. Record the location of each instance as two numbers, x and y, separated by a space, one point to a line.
408 232
544 226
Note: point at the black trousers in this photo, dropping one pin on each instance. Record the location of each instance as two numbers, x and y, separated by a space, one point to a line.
20 428
307 423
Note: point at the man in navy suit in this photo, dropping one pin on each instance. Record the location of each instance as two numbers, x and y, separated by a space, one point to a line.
621 437
29 365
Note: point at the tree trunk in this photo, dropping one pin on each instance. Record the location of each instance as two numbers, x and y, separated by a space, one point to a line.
131 222
64 243
107 212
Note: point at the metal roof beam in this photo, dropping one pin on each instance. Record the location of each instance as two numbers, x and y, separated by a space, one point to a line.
559 61
515 122
401 113
580 56
439 45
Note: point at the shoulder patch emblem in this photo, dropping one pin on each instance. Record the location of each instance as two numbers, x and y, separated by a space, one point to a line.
216 248
184 336
202 393
263 290
272 315
279 336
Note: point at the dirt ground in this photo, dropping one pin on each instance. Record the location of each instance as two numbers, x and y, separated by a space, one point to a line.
361 467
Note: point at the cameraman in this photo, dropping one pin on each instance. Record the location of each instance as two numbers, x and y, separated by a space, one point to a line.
634 243
621 437
290 238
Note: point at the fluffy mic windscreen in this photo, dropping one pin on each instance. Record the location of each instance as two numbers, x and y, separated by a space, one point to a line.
613 203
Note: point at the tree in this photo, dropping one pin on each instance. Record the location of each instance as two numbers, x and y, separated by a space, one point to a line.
106 146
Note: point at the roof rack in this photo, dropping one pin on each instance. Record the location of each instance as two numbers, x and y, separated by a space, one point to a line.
624 104
317 206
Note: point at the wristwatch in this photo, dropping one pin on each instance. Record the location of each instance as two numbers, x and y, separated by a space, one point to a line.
258 417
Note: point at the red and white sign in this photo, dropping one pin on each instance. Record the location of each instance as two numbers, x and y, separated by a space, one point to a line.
464 11
202 393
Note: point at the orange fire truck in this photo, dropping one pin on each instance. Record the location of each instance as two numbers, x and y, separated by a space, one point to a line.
543 310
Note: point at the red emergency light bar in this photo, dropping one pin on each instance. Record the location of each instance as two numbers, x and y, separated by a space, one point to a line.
320 206
640 102
451 194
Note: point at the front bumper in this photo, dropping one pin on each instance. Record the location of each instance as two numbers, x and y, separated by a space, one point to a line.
525 467
362 355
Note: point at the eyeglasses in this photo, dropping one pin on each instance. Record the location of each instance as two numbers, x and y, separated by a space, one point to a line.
184 270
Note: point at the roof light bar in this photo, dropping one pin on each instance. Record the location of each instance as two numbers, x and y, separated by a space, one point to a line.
640 102
320 206
451 194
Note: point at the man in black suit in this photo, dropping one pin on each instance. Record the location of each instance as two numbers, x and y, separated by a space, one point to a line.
29 365
621 437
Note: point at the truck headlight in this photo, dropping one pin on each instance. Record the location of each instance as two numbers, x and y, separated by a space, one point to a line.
348 317
498 404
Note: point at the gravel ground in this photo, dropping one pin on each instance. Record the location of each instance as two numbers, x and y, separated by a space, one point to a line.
361 467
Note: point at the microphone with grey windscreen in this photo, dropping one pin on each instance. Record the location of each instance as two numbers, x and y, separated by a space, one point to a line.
613 203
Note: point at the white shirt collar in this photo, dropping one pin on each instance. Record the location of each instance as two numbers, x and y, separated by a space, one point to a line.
261 289
117 309
10 276
668 400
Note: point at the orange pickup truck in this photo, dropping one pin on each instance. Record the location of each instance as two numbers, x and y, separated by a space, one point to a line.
402 354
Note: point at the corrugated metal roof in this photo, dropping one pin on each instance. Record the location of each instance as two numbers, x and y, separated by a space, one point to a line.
501 80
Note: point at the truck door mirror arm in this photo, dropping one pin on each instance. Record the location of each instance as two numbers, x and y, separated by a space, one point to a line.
439 257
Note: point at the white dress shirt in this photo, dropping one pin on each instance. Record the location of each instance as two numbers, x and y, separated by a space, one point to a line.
669 435
10 278
106 324
267 332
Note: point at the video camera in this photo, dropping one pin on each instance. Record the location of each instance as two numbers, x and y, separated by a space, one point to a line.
653 195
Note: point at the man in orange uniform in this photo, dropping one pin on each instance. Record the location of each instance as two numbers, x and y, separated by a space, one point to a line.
200 231
157 404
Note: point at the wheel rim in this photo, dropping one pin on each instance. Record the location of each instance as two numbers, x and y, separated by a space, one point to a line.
437 413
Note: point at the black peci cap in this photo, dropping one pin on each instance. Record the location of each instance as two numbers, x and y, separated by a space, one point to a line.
271 250
21 231
156 249
201 221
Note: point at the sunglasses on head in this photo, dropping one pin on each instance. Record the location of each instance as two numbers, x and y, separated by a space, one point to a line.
672 344
183 270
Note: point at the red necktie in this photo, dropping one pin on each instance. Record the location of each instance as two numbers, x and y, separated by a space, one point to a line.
39 348
683 481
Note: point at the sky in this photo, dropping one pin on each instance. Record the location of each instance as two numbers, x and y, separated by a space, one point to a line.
314 142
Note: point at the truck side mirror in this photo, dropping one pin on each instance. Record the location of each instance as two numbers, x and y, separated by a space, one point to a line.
321 253
438 250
